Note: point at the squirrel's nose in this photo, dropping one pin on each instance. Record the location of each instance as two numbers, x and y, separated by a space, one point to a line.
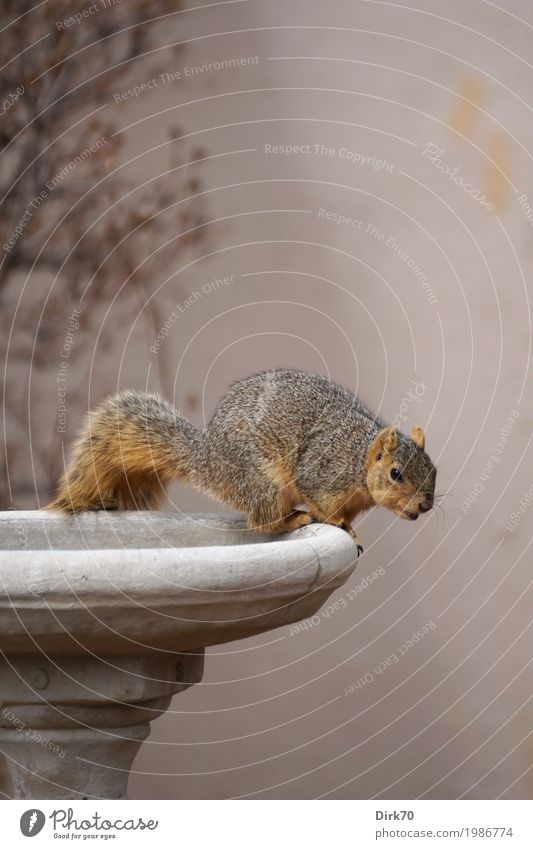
425 506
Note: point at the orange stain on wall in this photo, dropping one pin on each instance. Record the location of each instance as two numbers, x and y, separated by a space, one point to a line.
498 165
471 95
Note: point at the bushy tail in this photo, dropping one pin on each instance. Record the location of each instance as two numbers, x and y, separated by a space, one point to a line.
128 450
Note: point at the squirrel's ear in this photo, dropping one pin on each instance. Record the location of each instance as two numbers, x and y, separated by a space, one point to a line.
385 443
417 435
390 440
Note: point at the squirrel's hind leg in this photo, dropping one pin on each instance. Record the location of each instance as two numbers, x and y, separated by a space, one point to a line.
262 520
275 512
292 521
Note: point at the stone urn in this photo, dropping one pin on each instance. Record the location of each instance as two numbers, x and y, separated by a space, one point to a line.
105 616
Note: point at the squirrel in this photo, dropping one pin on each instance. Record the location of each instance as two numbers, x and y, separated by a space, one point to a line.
278 440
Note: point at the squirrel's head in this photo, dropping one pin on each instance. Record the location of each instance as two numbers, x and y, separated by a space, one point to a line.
400 474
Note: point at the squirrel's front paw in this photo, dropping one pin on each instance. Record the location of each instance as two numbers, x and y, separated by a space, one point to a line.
349 530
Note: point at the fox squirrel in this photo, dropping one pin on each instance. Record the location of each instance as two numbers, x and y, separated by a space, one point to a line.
278 439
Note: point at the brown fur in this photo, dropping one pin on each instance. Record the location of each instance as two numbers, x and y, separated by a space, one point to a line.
277 440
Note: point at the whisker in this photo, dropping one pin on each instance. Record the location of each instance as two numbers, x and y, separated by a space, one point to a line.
440 513
449 493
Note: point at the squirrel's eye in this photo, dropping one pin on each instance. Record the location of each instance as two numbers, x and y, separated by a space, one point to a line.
396 475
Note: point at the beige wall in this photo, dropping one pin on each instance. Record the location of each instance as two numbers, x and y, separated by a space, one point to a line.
449 717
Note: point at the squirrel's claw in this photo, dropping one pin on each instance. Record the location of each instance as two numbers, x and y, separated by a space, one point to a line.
349 530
